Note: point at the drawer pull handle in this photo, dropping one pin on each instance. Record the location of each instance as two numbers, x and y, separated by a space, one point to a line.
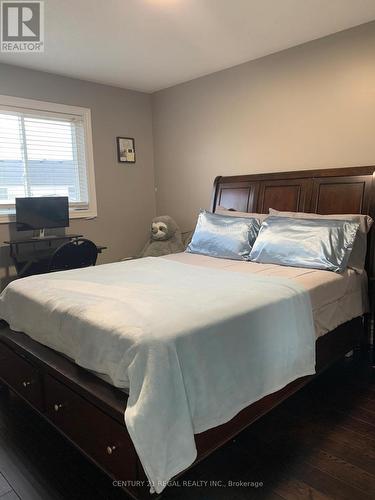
111 449
26 383
57 407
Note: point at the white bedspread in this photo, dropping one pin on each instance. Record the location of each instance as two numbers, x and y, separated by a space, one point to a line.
194 345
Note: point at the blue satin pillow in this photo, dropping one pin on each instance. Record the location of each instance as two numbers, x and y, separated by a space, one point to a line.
312 243
224 236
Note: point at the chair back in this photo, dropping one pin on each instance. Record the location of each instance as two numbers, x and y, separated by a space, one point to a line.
73 255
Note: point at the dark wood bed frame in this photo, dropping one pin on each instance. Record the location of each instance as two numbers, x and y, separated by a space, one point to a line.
90 412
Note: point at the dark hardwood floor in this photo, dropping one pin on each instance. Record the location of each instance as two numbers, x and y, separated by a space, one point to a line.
319 444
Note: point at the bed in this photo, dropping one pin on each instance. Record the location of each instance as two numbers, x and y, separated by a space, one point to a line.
78 402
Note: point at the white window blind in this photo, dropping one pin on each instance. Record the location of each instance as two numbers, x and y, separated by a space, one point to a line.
44 153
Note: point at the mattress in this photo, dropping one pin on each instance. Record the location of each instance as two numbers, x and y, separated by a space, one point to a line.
335 298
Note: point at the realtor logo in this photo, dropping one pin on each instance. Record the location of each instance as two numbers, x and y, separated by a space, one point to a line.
22 26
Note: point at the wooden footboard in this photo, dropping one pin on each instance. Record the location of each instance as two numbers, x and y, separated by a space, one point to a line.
90 412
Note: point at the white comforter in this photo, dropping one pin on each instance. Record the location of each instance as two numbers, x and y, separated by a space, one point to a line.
193 345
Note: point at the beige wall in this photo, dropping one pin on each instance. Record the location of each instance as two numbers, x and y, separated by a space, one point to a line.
311 106
125 194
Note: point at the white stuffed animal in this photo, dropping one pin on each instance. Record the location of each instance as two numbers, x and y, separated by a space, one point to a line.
165 238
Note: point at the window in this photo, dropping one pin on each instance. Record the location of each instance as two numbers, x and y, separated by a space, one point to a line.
45 150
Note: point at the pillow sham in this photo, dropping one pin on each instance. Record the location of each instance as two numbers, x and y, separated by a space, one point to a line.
234 213
224 236
316 244
358 256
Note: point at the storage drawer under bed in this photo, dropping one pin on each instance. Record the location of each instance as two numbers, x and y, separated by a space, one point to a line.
101 437
21 376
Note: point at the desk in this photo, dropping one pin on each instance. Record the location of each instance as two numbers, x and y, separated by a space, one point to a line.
31 255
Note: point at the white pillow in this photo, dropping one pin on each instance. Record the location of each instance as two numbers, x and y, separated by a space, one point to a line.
234 213
358 255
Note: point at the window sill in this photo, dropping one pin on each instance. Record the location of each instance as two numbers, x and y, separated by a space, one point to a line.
73 214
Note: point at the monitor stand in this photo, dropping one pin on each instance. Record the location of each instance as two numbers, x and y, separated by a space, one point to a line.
41 235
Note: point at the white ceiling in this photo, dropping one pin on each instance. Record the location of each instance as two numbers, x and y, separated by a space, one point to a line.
152 44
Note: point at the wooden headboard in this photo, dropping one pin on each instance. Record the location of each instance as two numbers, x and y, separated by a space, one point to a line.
330 191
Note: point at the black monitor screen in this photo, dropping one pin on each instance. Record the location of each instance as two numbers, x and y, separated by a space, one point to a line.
42 212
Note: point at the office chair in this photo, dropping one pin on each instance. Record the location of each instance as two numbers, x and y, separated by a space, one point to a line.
73 255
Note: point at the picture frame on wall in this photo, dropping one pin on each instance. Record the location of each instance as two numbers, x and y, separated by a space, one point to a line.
125 149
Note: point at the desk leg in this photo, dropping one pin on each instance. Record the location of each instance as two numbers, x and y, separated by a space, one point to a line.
21 272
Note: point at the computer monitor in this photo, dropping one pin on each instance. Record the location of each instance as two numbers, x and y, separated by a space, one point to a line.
42 213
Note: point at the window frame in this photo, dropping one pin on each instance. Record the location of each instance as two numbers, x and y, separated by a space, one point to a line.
20 104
